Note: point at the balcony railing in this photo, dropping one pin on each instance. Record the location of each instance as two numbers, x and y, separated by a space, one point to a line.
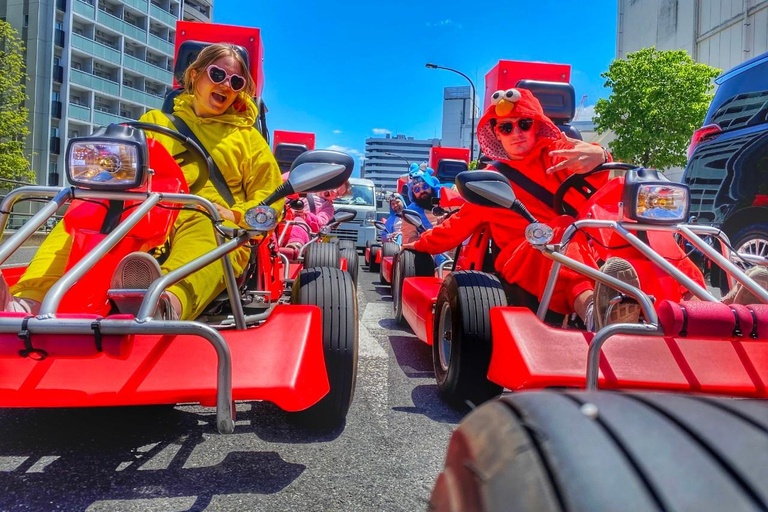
58 73
122 26
142 98
56 109
160 44
58 37
56 145
147 69
85 9
162 15
95 82
138 4
104 118
61 5
96 49
80 112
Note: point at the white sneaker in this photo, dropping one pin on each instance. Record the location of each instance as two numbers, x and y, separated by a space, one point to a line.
137 271
610 307
739 294
10 303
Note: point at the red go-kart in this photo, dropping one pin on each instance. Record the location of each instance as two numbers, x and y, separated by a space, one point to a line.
567 449
92 346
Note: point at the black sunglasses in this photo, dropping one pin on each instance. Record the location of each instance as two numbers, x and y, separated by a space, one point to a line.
218 75
507 127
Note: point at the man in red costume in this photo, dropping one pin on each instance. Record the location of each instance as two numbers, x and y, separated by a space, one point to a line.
532 152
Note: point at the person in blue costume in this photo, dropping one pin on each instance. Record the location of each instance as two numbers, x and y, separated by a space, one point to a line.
424 193
394 222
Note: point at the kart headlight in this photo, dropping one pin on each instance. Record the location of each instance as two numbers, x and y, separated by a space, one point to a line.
261 218
652 199
539 233
112 158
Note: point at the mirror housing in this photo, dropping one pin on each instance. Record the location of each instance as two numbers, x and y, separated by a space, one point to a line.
413 218
485 188
380 225
342 215
315 171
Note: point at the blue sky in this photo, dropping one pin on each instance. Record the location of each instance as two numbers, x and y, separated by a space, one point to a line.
342 69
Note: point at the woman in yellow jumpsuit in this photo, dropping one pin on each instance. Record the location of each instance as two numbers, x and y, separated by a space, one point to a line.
216 105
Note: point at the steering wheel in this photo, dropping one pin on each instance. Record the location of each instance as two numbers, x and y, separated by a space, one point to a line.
582 186
188 143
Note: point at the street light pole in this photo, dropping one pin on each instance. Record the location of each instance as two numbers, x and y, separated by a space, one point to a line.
472 129
399 156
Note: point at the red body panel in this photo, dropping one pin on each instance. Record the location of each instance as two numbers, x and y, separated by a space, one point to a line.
152 369
419 297
281 136
247 37
438 153
527 354
507 73
386 269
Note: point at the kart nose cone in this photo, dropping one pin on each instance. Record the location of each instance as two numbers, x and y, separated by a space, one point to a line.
539 233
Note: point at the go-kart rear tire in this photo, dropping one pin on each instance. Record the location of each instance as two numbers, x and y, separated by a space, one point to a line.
606 451
346 244
322 255
332 291
373 266
461 342
353 262
408 263
389 249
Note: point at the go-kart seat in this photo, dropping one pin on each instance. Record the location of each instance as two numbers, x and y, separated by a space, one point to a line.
448 168
558 99
286 154
714 320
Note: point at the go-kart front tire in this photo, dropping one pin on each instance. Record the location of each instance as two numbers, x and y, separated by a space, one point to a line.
408 264
604 451
322 255
373 266
353 262
332 291
346 244
461 341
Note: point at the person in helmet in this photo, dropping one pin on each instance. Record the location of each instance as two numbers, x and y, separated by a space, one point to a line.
394 222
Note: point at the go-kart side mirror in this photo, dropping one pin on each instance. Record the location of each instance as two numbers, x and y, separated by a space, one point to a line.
380 225
413 218
315 171
485 188
296 204
342 215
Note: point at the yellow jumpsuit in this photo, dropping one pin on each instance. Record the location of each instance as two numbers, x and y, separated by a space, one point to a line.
250 170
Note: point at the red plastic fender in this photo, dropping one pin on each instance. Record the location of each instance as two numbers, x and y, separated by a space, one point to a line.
343 264
528 354
367 254
419 297
281 361
386 268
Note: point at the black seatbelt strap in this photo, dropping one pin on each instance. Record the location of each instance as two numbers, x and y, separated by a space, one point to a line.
216 178
527 184
311 202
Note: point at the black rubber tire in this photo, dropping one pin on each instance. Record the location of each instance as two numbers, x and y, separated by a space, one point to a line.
368 245
388 249
322 255
332 291
751 232
372 265
470 295
346 244
548 451
353 263
408 264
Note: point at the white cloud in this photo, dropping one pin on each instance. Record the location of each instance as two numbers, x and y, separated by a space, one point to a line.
337 132
381 131
586 114
444 24
350 151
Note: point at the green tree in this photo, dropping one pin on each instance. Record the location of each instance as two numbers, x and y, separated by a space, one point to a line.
658 99
13 113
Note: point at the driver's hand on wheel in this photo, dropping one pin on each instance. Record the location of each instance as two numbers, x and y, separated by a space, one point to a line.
225 213
411 246
581 159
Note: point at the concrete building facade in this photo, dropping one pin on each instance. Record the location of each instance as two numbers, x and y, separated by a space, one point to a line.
91 63
457 118
387 158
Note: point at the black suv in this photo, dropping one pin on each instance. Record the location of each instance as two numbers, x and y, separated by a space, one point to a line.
727 169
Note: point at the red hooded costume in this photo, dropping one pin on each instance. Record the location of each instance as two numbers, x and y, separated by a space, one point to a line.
518 262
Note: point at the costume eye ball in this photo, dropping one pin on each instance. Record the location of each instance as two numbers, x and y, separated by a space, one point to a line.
495 97
512 95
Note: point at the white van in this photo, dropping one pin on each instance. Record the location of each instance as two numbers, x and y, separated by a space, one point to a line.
362 198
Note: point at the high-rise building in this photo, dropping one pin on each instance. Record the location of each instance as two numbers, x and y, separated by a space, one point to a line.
388 158
91 63
457 118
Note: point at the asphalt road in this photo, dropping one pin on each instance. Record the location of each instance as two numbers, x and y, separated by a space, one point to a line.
172 459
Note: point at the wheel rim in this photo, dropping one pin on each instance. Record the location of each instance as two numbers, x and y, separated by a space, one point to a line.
445 343
754 246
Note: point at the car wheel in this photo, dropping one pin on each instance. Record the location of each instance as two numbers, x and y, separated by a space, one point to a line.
605 451
408 264
346 244
461 340
353 262
322 255
389 249
373 266
751 240
333 292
